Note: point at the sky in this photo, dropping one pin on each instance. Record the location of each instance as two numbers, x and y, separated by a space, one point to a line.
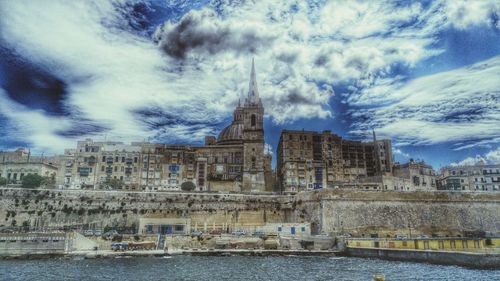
425 74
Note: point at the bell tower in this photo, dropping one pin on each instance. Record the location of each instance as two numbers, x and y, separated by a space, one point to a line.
253 138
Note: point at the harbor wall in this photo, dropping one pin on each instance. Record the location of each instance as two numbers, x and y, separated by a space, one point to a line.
475 260
330 211
32 244
389 213
48 209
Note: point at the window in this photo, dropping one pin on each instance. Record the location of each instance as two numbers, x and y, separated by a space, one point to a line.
253 120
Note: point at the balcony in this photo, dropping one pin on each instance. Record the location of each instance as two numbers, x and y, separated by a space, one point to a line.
109 160
92 161
84 172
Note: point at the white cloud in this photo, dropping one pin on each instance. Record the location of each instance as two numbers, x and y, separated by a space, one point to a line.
113 73
464 13
399 152
492 157
457 105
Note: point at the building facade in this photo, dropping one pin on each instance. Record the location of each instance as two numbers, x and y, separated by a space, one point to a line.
419 175
479 177
309 160
14 165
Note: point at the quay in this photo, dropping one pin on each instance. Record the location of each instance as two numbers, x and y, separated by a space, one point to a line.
468 252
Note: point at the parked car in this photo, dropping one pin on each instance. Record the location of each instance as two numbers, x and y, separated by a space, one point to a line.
259 233
401 237
196 233
239 232
7 230
110 233
88 232
216 232
97 232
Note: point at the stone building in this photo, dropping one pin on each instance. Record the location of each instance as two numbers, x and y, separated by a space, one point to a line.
421 175
14 165
479 177
234 161
311 160
411 176
14 172
94 164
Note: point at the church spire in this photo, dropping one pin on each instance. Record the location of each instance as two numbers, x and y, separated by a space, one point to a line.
253 92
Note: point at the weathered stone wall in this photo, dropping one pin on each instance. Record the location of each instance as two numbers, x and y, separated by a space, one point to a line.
328 211
391 213
59 208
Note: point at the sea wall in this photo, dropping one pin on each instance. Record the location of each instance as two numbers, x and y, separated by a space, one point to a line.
32 244
329 211
39 209
389 213
475 260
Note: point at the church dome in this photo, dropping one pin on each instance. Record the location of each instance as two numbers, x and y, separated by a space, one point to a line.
231 134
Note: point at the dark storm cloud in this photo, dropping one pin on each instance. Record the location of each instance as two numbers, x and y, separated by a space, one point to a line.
203 31
321 60
82 128
31 85
287 57
157 118
294 96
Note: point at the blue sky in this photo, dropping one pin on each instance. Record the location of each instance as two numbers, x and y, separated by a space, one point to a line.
424 74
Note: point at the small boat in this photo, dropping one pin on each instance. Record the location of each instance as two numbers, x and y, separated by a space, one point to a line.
378 277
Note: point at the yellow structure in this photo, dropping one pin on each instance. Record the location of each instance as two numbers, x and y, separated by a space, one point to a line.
442 244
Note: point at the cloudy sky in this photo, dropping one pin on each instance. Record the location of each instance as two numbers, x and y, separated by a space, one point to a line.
425 74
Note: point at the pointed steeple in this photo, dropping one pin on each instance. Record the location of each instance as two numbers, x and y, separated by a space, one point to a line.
253 92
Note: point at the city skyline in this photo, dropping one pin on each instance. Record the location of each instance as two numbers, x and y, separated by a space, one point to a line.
424 74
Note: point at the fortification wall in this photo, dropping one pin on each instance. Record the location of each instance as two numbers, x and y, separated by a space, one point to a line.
328 211
392 213
59 208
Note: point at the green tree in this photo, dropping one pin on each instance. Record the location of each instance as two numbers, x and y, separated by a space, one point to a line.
32 181
188 186
49 181
115 183
3 181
